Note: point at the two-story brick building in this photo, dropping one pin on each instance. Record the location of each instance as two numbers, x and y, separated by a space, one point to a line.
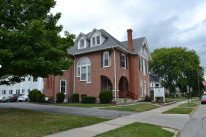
101 62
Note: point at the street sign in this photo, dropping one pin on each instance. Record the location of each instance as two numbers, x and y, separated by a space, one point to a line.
159 92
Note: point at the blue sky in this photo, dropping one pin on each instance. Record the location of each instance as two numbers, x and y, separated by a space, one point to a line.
164 23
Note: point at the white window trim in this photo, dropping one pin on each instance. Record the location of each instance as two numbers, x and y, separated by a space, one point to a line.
79 43
109 64
125 61
65 86
141 63
95 42
144 67
80 66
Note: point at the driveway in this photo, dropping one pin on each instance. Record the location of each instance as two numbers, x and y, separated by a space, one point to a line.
111 114
196 125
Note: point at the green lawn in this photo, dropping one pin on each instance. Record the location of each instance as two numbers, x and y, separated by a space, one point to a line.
84 105
183 108
138 130
27 123
176 99
140 107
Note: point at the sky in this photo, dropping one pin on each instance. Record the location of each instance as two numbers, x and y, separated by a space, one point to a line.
164 23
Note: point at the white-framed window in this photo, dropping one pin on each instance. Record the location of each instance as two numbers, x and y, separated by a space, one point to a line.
23 90
84 69
106 59
98 40
81 43
144 67
95 40
29 90
123 61
140 64
63 86
29 78
35 79
18 91
10 91
3 92
141 88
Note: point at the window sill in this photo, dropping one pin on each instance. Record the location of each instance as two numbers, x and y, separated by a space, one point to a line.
123 68
105 66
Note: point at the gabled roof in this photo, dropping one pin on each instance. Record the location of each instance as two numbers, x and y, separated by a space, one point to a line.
109 43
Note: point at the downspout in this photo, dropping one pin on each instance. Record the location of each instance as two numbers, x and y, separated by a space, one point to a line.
115 75
74 75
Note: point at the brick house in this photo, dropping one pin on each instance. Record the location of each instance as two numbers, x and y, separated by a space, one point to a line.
101 62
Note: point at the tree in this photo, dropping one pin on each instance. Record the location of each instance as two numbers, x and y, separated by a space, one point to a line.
30 43
177 66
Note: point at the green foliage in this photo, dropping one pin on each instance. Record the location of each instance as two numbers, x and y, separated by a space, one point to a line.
177 67
30 42
105 96
40 98
148 99
88 99
33 94
60 97
75 97
83 95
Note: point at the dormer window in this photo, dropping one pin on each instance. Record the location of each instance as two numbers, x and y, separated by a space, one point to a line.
96 41
82 43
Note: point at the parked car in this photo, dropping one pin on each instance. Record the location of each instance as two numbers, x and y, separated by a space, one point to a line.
14 97
23 98
203 99
5 98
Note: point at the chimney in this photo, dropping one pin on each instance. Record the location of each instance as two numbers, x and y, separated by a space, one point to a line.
130 43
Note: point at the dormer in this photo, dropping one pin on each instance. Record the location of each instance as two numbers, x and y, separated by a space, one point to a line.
96 38
82 41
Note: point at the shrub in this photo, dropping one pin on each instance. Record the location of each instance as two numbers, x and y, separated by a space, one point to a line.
40 98
75 97
105 96
60 97
83 95
32 95
87 99
148 99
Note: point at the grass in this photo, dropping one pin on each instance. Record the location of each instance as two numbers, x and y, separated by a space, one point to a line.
176 99
136 108
138 130
183 108
28 123
84 105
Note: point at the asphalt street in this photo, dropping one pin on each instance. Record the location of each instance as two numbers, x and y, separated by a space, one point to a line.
196 125
111 114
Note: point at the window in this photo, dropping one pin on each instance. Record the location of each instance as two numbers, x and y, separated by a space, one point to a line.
3 92
18 91
28 90
63 86
98 40
35 79
106 59
23 90
122 61
140 64
93 41
29 78
10 91
81 43
106 84
144 67
141 88
147 67
84 69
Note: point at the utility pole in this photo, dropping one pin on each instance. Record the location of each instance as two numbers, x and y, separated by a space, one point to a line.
198 84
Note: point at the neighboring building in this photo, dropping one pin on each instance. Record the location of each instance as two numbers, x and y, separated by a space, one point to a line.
101 62
23 87
155 82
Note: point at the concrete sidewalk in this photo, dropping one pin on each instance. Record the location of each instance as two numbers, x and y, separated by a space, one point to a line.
175 121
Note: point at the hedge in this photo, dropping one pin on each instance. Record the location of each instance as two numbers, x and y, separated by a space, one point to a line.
60 97
32 95
75 97
105 96
83 95
40 98
88 99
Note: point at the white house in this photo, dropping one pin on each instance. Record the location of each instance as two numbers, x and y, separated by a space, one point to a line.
24 87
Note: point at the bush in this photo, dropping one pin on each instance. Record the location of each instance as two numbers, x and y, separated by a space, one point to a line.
40 98
83 95
60 97
32 95
87 99
148 99
75 97
105 96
